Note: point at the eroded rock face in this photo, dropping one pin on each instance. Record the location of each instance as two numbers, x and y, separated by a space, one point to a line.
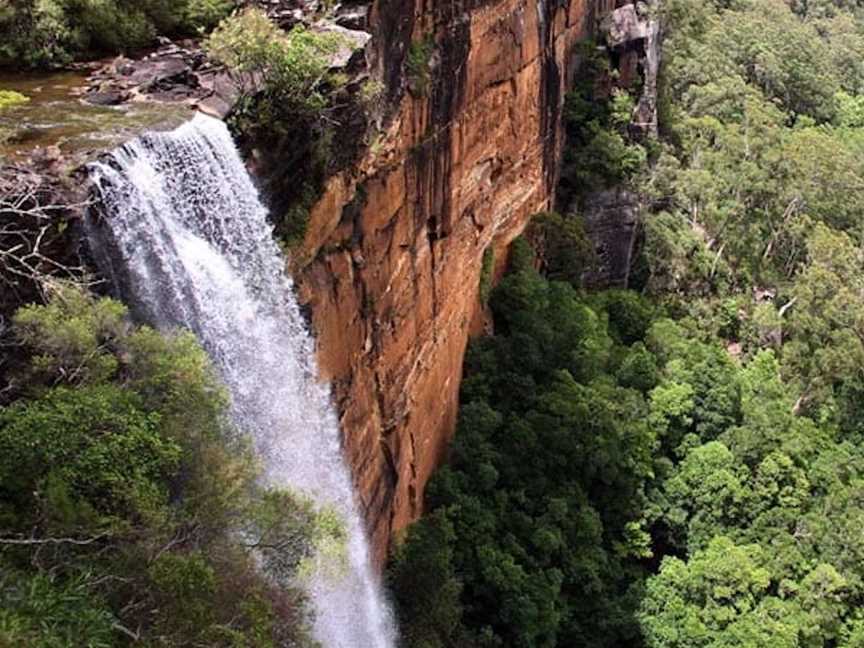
624 26
391 262
611 218
632 36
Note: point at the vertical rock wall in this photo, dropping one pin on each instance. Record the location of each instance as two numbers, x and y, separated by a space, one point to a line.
391 262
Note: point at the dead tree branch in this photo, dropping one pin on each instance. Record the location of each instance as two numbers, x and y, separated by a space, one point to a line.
35 213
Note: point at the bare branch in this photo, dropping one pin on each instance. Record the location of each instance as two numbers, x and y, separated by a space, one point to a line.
787 306
53 541
135 636
33 222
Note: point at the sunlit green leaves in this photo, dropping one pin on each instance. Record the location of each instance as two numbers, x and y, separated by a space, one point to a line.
121 472
291 66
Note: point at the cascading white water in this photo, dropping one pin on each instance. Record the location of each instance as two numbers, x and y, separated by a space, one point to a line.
186 240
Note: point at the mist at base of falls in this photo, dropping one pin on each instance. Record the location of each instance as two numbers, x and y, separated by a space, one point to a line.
186 241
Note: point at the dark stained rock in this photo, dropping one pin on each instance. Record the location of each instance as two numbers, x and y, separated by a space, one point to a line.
107 98
611 219
356 17
222 94
645 116
170 73
633 33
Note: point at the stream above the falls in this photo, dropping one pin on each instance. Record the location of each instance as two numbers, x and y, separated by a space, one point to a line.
56 115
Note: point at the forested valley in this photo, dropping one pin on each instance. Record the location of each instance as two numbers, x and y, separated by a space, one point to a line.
678 464
672 461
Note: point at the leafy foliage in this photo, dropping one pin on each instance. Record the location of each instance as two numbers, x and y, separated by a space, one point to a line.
562 248
599 152
486 271
290 97
618 478
129 507
418 63
760 110
46 33
549 455
11 98
292 67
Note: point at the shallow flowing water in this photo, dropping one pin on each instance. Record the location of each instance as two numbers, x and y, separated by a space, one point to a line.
56 115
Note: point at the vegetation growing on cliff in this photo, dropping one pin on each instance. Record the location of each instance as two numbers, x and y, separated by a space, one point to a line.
418 63
130 510
600 152
289 68
681 467
550 455
290 101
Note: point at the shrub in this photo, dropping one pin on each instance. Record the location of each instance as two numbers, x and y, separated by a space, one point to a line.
51 33
70 338
106 26
486 272
38 610
599 151
425 586
11 98
93 448
142 503
418 63
292 66
37 34
204 15
562 247
371 93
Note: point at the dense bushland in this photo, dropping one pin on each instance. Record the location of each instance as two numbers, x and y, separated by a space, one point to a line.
130 509
533 524
47 33
617 477
682 467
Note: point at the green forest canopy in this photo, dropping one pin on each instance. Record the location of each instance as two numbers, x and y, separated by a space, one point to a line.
130 509
51 33
681 466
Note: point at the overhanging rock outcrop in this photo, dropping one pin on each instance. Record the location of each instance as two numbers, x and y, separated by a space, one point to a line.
391 261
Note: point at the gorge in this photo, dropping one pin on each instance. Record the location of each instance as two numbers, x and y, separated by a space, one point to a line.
462 324
388 271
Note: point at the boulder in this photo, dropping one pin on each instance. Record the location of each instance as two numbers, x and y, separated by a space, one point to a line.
106 98
624 26
351 41
352 17
223 94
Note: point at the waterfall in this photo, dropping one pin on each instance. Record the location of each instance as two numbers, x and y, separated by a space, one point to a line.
187 243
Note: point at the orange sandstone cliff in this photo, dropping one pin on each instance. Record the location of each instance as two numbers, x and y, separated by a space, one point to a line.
390 266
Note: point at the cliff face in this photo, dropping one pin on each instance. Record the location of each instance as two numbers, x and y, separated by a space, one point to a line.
390 267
